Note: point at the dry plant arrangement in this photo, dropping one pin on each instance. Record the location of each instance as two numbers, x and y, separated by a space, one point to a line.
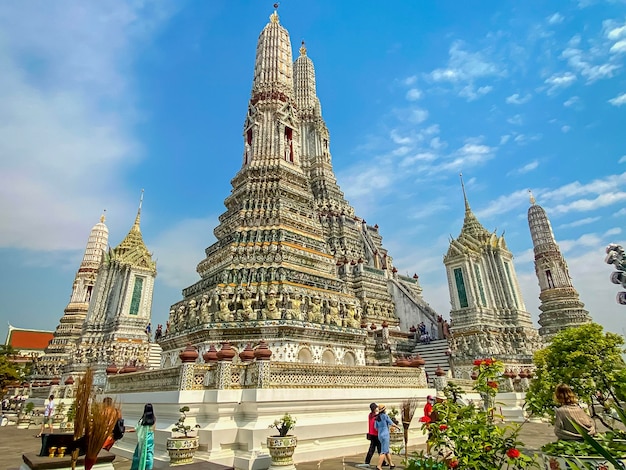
93 421
407 409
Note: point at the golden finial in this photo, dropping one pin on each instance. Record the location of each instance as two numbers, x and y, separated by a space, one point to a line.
103 216
303 48
274 16
532 198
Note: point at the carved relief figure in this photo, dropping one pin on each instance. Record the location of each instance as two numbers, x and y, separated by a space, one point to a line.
194 319
315 312
295 312
246 312
225 313
205 314
351 320
271 310
333 318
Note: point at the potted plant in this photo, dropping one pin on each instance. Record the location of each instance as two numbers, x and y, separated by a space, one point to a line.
24 417
396 436
282 447
183 444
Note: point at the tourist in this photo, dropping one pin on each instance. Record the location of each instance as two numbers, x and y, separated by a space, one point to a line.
115 432
143 457
372 434
570 412
48 412
383 424
429 414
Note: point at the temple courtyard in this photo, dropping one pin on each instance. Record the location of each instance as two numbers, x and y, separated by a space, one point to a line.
15 442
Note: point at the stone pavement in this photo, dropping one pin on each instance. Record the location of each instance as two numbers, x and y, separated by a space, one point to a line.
14 442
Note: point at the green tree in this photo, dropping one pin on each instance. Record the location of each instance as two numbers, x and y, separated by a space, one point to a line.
9 370
587 359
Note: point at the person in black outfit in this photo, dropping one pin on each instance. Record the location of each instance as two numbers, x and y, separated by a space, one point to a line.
372 435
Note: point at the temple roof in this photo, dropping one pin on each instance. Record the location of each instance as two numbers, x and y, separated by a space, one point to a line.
28 339
132 250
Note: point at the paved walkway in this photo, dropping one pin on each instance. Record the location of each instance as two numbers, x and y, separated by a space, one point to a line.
15 442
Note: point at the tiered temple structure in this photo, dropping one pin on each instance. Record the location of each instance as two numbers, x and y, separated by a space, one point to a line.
488 316
560 307
62 347
114 330
292 264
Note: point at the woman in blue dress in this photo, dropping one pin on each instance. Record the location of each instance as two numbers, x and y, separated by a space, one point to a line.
143 458
383 423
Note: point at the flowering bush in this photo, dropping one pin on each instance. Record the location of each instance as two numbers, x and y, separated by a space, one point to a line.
466 436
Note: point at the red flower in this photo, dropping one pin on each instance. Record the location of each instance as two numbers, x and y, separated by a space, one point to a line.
492 384
425 419
512 453
453 463
443 427
478 362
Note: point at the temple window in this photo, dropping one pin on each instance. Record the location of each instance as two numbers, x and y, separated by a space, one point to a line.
136 299
508 276
549 279
460 287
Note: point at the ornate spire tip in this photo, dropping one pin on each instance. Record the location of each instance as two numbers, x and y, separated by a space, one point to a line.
532 198
303 48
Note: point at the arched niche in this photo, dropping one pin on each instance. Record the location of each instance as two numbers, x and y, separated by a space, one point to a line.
328 358
349 359
305 356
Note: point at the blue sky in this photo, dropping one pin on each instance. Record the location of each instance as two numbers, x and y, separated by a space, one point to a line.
103 98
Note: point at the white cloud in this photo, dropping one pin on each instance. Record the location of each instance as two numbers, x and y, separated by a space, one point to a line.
504 139
558 81
619 47
616 32
622 159
410 80
180 248
618 100
565 129
584 205
419 157
471 93
530 166
505 203
517 99
68 143
413 94
516 120
556 18
574 100
580 222
608 184
464 68
418 115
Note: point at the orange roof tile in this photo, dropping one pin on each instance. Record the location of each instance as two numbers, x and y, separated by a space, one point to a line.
28 339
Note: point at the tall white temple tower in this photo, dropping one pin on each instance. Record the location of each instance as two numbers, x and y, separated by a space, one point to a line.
114 331
293 264
62 346
560 306
488 316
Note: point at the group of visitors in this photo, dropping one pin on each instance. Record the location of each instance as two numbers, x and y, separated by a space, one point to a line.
379 426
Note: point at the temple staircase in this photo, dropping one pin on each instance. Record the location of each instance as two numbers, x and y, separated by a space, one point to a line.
434 353
154 356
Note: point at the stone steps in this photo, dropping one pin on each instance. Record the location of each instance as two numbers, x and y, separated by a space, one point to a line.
434 353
